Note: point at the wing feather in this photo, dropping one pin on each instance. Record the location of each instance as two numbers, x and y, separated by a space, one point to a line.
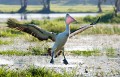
31 29
81 29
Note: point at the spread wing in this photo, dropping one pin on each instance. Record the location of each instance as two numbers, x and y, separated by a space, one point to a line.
31 29
81 29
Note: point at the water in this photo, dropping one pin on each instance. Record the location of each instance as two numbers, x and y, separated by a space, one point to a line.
97 66
6 62
4 17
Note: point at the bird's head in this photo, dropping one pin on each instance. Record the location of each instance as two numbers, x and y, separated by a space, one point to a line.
69 19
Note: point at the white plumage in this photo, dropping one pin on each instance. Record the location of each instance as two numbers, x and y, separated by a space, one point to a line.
61 39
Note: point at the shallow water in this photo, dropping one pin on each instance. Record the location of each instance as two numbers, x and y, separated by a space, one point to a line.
4 17
94 65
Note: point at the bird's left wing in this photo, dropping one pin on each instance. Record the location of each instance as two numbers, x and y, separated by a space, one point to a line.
81 29
31 29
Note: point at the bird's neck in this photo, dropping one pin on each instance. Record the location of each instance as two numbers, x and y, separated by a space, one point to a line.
67 29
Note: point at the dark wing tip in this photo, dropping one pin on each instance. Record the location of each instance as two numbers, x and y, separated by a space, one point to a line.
95 21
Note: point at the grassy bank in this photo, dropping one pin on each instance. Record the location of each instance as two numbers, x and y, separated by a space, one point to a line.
55 8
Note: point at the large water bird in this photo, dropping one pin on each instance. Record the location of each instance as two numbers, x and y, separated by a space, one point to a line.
59 39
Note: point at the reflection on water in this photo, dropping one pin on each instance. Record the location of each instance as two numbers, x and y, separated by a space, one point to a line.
31 16
23 16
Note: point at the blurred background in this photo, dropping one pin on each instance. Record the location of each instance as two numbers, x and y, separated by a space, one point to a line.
38 9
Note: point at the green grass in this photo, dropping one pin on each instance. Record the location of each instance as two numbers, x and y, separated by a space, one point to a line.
30 38
5 42
103 29
15 52
105 18
110 52
32 72
58 24
9 8
42 50
39 50
94 52
56 8
9 33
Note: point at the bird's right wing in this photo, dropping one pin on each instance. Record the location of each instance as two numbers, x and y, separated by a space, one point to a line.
81 29
31 29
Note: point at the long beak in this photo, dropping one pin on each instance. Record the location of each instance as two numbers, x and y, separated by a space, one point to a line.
69 19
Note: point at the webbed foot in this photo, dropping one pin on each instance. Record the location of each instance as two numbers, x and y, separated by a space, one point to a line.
52 61
65 61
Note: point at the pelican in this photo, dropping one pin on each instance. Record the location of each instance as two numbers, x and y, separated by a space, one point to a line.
59 39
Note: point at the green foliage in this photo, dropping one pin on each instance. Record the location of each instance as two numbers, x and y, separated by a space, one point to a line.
110 52
89 19
116 19
103 29
60 19
42 72
105 18
31 72
94 52
36 22
39 50
30 38
10 33
15 52
5 42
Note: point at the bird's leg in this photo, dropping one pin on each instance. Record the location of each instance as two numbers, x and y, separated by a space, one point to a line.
64 61
58 53
52 55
